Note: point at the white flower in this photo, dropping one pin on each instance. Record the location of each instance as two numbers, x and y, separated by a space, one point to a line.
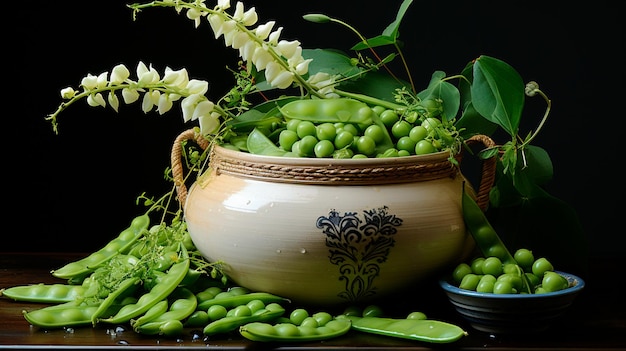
113 100
263 31
222 5
188 105
287 48
119 74
203 108
195 15
178 79
68 93
89 82
164 104
261 58
209 124
130 95
146 75
102 80
96 100
197 86
150 99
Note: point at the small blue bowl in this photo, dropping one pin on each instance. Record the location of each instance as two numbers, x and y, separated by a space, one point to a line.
512 313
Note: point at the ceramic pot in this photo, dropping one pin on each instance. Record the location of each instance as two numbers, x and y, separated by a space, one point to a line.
327 231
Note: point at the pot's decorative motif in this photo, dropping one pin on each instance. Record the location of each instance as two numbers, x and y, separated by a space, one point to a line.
358 247
326 231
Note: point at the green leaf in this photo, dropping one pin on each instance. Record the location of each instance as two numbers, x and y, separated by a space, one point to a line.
498 93
446 92
390 34
331 62
375 84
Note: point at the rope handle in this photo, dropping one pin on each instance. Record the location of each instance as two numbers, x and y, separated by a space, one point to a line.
488 171
176 160
482 199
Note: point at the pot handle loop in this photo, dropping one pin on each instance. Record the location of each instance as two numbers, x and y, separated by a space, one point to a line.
488 173
176 160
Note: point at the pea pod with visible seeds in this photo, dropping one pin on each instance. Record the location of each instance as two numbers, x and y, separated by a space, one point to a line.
158 292
233 320
415 329
45 293
70 314
289 332
230 301
123 242
483 233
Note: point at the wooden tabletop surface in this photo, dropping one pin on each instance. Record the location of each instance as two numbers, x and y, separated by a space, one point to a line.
596 320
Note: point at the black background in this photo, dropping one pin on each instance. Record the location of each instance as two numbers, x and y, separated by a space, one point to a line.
76 190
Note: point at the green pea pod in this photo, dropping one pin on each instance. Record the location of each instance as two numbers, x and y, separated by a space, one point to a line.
45 293
158 292
71 314
236 300
158 309
121 244
183 306
231 323
340 110
483 233
289 332
123 288
425 330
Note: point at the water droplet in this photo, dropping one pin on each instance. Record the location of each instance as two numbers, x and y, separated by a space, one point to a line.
278 251
303 250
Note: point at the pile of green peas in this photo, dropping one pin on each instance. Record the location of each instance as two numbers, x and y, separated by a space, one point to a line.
491 275
348 128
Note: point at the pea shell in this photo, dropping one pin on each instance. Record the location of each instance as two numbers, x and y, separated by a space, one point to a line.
45 293
120 244
260 331
415 329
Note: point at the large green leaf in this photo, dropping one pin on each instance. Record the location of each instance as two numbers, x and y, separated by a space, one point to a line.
498 93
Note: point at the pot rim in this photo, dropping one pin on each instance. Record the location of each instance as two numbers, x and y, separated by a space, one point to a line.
328 171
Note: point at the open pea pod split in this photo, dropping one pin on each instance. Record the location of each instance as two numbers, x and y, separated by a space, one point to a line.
425 330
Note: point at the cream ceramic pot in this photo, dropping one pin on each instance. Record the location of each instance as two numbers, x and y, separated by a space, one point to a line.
326 231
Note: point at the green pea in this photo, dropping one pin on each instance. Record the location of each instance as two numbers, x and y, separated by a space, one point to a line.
232 322
470 281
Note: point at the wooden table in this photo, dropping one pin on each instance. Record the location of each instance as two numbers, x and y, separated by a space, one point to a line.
597 320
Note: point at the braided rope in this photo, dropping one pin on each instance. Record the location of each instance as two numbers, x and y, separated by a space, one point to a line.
329 171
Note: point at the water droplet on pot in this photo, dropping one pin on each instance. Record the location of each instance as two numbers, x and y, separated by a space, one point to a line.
303 250
278 251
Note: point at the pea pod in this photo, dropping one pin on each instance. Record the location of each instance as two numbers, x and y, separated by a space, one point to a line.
158 292
183 306
340 110
230 301
233 321
122 289
415 329
483 233
158 309
121 244
289 332
45 293
70 314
